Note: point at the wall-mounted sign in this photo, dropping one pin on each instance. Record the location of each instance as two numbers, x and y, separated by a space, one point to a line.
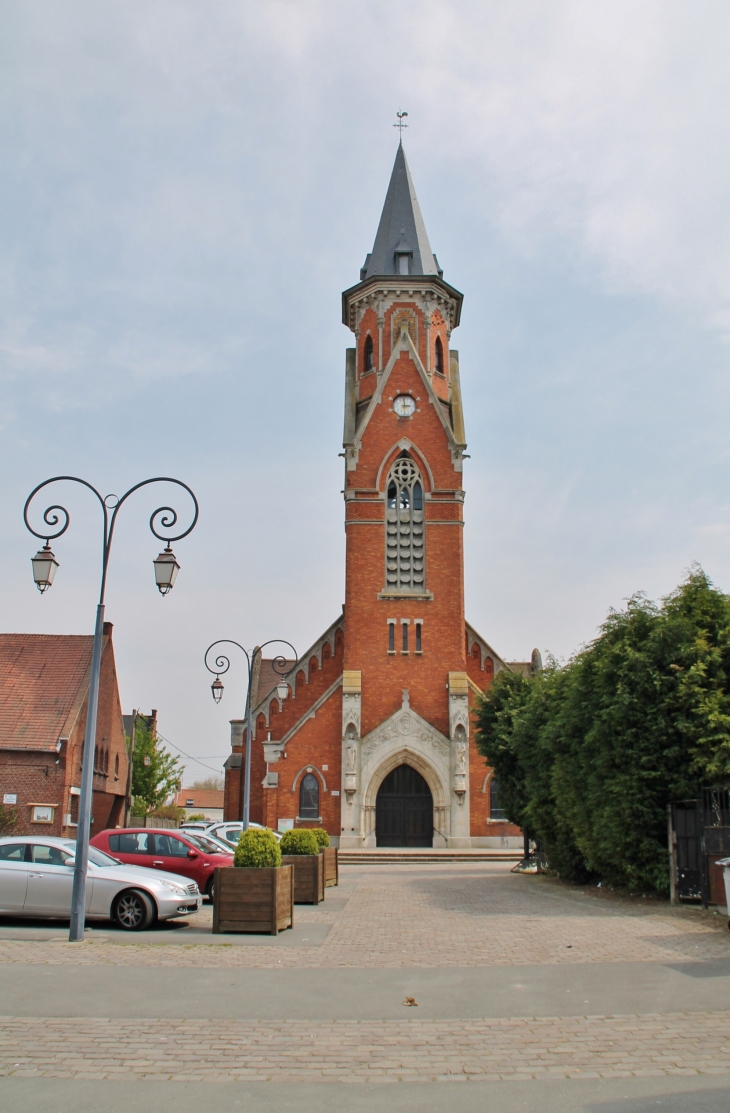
10 798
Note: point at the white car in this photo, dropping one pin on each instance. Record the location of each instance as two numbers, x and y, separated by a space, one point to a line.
231 832
36 879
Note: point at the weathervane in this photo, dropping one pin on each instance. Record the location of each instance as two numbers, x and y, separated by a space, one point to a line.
400 125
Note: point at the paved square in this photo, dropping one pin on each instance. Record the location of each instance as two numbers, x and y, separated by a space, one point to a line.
515 978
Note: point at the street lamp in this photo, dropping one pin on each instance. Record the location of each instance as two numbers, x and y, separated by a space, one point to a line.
44 569
222 665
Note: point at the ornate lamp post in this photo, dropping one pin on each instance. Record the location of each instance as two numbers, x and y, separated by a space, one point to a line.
222 665
44 569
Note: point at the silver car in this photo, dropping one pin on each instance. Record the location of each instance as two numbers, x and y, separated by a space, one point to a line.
36 878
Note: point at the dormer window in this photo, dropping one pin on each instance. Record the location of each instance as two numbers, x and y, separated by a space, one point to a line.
439 356
403 262
368 354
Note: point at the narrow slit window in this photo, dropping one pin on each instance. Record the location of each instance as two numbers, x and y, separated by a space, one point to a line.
368 354
391 637
405 637
439 356
419 646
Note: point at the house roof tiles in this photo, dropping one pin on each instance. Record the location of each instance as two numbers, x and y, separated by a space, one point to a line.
44 679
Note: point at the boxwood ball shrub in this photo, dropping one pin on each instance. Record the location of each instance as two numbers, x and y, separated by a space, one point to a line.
302 841
257 849
321 836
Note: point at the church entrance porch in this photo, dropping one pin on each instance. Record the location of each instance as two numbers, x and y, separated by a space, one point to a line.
404 810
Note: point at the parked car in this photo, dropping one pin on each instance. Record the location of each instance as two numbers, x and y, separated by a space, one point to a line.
36 879
230 832
210 842
197 825
172 851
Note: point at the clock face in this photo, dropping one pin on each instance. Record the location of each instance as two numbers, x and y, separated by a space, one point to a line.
404 405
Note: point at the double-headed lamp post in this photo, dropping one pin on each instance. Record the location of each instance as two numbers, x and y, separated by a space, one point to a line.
221 666
44 569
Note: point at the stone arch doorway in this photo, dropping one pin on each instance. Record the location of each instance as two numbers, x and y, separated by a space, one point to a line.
404 809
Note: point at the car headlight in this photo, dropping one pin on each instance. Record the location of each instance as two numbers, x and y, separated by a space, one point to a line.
178 890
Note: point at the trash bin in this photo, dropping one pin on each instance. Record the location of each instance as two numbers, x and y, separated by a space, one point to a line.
725 863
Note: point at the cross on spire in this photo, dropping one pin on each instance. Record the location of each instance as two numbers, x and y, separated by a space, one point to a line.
400 125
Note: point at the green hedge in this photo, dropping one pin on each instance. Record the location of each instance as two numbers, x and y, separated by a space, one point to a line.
321 836
300 841
257 849
588 755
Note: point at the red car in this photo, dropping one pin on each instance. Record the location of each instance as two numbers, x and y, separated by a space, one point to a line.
194 856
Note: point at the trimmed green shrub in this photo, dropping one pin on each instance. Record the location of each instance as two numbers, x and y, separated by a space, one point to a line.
257 849
321 836
301 841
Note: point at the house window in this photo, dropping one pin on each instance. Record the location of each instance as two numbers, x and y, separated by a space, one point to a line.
368 354
116 768
404 557
404 626
309 797
391 635
439 356
419 646
496 811
75 798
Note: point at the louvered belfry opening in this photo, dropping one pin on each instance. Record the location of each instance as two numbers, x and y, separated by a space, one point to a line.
404 547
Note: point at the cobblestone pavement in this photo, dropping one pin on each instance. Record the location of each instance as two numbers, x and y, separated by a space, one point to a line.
406 916
383 1051
387 917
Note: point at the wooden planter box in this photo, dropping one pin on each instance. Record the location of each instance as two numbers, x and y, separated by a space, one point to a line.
331 866
308 877
253 899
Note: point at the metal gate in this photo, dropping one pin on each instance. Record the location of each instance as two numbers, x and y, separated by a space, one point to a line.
699 836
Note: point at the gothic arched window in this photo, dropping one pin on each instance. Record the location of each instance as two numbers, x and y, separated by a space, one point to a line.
309 797
368 354
404 556
439 356
496 811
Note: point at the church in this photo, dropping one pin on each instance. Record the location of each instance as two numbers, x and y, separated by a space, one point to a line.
375 739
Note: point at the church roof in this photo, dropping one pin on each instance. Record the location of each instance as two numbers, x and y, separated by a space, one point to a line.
401 229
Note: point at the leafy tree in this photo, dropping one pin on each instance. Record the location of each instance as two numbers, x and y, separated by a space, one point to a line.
156 774
589 755
213 784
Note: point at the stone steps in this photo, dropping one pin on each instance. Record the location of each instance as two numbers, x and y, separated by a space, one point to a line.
396 856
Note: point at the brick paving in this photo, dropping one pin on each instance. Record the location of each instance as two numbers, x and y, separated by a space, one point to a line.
430 917
459 916
367 1051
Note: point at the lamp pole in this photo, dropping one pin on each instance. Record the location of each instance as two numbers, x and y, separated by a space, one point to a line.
44 569
222 665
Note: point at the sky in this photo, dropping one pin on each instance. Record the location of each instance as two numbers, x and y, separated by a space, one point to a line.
185 190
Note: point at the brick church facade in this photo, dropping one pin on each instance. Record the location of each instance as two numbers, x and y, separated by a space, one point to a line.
375 741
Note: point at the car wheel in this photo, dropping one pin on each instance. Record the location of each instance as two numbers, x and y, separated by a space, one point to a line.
133 910
210 888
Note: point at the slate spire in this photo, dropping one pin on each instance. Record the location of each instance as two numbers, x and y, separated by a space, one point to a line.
401 243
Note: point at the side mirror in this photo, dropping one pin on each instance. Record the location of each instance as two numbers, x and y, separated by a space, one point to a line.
70 862
192 854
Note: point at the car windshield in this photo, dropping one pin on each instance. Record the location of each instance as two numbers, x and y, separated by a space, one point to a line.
96 857
201 841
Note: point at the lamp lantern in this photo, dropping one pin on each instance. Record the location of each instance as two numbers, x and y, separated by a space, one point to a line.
217 689
44 568
166 569
282 689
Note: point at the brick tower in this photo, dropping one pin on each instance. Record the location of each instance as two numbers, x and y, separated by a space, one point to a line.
374 742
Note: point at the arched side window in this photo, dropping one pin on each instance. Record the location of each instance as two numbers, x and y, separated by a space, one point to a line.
439 356
496 811
368 354
309 797
404 549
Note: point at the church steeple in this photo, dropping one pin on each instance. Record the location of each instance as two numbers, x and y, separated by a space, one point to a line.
401 243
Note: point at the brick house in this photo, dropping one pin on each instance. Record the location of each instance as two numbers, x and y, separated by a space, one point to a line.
44 689
375 740
201 801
